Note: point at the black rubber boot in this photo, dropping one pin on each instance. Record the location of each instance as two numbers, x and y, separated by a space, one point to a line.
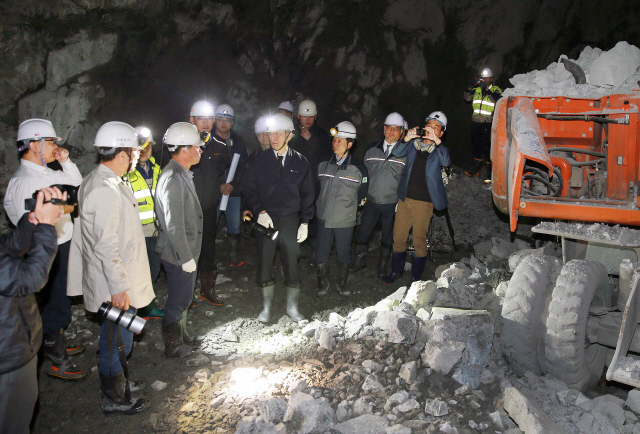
487 179
341 279
234 246
417 267
477 165
385 253
114 401
55 349
312 261
293 297
208 291
397 267
267 301
323 279
173 344
186 338
360 258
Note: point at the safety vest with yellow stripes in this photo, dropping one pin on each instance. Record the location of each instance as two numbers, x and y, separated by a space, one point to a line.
143 195
484 106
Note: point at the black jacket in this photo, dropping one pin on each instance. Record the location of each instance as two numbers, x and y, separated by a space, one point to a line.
291 191
206 174
235 145
26 255
316 150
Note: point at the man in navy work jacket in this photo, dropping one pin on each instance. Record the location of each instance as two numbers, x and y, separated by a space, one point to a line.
420 191
279 189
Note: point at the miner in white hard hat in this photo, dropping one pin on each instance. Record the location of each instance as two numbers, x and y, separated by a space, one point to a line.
385 170
315 145
286 108
343 185
207 178
37 147
181 225
108 257
278 189
483 95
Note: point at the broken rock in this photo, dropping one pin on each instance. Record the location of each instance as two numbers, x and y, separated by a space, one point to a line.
421 294
366 424
408 372
442 356
371 383
435 407
272 410
633 400
296 399
313 416
401 327
528 415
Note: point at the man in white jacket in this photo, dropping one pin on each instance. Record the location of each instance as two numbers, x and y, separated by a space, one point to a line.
109 258
37 147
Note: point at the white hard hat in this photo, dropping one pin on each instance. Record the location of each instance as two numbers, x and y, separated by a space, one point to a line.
116 135
261 125
345 130
307 108
286 105
440 117
202 108
279 122
225 110
487 72
144 135
395 119
406 125
182 134
36 129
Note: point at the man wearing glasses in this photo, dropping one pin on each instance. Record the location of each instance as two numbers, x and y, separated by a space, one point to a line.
385 171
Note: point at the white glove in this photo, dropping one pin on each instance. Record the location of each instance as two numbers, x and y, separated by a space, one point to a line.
265 220
189 267
303 231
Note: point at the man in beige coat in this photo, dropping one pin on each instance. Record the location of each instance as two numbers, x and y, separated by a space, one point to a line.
108 259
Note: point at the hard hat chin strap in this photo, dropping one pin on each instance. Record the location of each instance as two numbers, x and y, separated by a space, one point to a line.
285 142
42 149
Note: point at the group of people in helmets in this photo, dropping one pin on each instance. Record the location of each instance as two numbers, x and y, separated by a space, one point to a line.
140 210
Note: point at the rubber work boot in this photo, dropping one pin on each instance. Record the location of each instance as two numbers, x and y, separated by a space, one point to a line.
293 297
173 344
114 401
477 165
417 267
312 261
151 312
487 179
186 338
55 350
360 258
341 279
208 291
234 245
267 301
397 267
323 279
385 253
134 385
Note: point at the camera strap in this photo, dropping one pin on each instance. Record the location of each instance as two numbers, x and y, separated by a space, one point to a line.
121 356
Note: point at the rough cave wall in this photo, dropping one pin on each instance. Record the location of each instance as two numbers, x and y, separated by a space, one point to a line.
81 63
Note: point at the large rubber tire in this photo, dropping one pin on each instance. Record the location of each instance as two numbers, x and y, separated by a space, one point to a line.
524 313
582 285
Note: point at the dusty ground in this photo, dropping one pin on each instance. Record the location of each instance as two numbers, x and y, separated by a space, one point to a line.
75 407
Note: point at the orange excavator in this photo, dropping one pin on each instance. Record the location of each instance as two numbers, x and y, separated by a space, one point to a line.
575 163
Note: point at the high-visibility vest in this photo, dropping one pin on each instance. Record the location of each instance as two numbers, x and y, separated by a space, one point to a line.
143 195
484 106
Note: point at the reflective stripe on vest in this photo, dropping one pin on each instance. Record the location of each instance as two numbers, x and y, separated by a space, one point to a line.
143 195
483 106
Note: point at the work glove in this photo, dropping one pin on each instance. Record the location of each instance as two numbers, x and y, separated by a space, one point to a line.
189 267
265 220
303 231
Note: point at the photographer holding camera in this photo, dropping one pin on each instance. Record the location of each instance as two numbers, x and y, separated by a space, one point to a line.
483 95
26 255
37 147
109 258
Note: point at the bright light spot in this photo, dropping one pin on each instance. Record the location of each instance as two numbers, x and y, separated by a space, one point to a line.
248 382
145 132
271 122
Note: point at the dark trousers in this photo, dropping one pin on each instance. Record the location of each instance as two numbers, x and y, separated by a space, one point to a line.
325 239
371 212
207 260
55 305
18 395
109 360
154 257
481 140
180 292
289 252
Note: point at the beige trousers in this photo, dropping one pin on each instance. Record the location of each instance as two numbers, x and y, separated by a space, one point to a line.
416 214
